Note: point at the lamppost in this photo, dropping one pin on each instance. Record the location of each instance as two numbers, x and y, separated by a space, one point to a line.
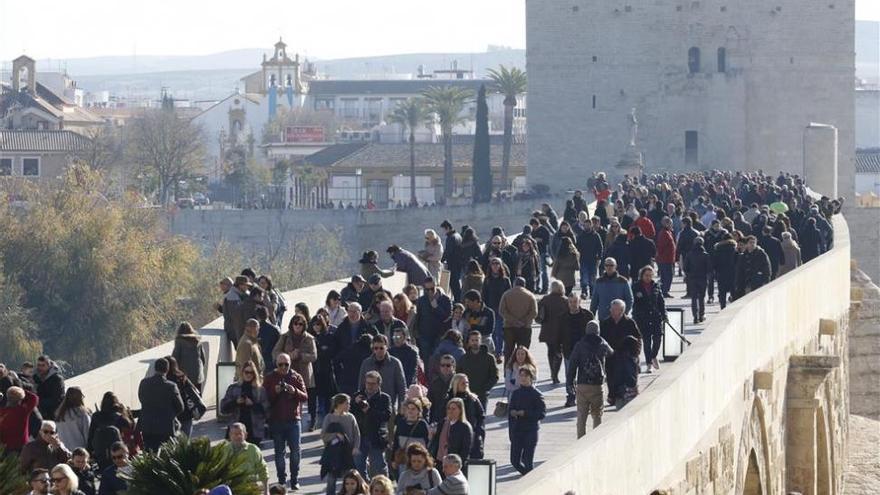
358 180
481 476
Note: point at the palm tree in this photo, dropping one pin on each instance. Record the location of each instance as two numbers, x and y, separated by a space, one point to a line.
12 480
511 83
410 114
447 104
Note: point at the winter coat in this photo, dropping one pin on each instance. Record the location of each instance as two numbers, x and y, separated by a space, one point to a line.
696 267
368 269
647 227
552 311
530 400
556 242
407 262
258 410
615 333
792 255
431 256
575 329
665 246
565 266
590 246
518 308
437 392
476 416
348 365
452 251
528 266
160 405
349 294
470 250
753 271
248 349
324 367
190 357
493 289
73 428
308 354
724 264
587 361
268 337
337 455
432 322
685 242
472 281
481 370
461 436
642 252
619 250
810 241
773 247
393 380
408 355
14 431
373 423
50 389
649 308
346 334
37 454
608 288
233 322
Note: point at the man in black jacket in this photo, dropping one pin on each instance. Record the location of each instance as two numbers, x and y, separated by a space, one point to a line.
696 267
452 258
685 243
372 408
160 405
50 387
773 247
406 353
480 367
589 245
753 269
641 252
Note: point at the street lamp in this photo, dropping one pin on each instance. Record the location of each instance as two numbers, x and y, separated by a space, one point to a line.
358 174
481 475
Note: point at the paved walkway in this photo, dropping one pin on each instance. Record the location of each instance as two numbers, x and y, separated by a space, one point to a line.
557 429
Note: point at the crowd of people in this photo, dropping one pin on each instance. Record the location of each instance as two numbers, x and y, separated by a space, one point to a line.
398 382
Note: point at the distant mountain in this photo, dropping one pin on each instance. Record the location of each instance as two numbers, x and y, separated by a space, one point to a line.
209 77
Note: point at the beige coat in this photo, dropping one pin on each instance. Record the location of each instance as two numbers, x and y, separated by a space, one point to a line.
248 349
302 363
792 253
431 255
518 308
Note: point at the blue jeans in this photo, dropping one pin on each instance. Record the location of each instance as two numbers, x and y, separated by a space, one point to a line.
522 450
498 335
588 275
376 457
287 434
666 270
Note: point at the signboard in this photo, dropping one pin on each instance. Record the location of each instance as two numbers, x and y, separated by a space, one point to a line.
304 134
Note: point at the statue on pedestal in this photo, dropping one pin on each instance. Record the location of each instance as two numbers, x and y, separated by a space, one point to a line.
633 127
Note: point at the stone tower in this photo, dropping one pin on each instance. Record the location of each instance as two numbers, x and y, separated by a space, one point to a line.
717 83
24 75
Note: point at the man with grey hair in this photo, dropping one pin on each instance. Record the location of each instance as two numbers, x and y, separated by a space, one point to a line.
610 286
45 451
617 330
351 328
254 462
454 483
248 348
587 364
387 323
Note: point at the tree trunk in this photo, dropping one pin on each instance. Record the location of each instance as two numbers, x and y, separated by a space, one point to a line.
448 179
413 200
508 142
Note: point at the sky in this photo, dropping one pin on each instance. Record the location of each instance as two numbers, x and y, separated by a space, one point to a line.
316 28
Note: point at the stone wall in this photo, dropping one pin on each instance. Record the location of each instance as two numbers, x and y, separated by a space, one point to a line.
360 230
864 350
788 63
758 404
864 223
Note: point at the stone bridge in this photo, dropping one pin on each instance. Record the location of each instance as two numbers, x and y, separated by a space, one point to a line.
757 405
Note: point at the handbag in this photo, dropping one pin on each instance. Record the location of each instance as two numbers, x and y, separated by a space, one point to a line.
399 455
501 406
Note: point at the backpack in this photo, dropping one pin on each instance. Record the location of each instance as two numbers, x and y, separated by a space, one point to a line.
105 436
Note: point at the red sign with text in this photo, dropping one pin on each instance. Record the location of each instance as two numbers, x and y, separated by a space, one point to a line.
304 134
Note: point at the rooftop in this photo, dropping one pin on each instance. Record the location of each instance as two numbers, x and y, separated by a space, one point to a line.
42 141
330 87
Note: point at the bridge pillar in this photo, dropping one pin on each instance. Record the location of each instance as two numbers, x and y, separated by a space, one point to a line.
807 441
820 158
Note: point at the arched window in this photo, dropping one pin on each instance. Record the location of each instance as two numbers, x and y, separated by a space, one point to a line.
694 60
722 59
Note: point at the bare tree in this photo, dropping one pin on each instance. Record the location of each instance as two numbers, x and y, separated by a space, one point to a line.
167 148
106 148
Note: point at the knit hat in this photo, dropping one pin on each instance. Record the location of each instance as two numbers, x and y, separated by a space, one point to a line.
592 328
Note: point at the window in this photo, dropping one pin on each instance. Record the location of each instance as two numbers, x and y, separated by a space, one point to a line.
722 59
30 167
5 166
694 60
691 156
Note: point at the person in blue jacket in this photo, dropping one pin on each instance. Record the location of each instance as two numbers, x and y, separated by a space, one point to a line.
525 412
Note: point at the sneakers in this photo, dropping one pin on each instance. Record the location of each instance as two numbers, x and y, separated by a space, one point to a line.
294 486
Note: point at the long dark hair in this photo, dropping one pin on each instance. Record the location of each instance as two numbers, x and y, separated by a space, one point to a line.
362 487
186 328
304 309
74 400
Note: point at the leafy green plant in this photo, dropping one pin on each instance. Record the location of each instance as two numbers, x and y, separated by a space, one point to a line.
183 465
12 481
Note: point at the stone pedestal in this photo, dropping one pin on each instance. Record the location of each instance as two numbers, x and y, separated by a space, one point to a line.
631 163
